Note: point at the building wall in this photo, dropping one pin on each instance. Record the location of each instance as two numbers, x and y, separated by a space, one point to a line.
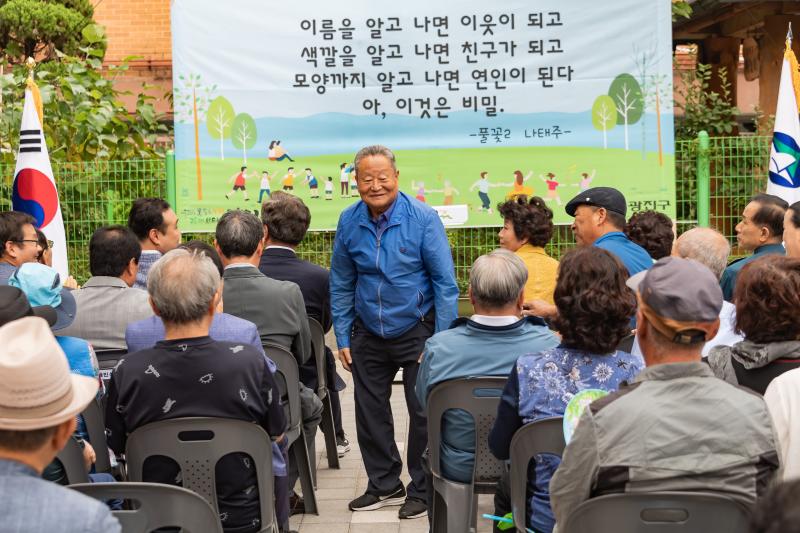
139 28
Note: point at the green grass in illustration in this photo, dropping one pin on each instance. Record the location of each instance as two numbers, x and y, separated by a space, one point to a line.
641 179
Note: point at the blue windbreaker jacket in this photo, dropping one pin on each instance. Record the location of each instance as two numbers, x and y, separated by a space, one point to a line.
392 280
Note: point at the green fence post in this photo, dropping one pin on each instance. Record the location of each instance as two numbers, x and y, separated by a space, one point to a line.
109 207
703 180
171 192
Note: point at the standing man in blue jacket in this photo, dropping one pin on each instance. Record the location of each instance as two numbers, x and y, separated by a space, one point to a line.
392 286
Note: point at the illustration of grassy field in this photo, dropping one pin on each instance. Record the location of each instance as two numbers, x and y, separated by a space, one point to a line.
640 179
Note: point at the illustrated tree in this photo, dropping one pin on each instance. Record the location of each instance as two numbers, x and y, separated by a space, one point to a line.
219 121
191 103
604 116
244 134
645 59
626 93
659 96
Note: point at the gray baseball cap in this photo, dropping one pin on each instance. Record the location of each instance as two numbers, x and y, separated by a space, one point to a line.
681 298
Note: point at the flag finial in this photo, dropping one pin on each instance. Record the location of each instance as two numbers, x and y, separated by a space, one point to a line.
30 63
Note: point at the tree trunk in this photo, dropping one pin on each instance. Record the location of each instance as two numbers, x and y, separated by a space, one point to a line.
197 145
626 130
658 129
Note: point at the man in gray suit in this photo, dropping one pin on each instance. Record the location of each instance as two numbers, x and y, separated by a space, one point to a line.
276 307
107 303
38 406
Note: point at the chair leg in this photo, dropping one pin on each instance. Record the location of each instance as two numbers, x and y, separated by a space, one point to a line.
328 430
438 514
300 453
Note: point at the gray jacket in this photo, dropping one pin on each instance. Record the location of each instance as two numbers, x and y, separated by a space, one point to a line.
675 428
31 504
105 307
276 308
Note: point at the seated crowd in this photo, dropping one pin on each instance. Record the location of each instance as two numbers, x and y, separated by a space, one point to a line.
697 361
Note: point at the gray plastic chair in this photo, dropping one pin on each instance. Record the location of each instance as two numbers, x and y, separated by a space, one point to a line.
197 459
96 428
326 425
542 436
454 504
71 458
659 512
288 379
107 360
159 506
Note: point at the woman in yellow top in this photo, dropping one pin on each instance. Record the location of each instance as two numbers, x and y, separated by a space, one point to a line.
527 228
518 187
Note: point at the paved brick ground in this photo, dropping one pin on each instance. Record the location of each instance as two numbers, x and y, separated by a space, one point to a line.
335 488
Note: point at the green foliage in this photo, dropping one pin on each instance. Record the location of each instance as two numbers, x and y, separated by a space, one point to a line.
244 134
704 109
191 95
84 118
681 9
626 93
42 28
604 114
220 121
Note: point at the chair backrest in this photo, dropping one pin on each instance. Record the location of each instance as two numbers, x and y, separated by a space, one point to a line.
158 506
71 458
96 428
179 439
659 512
288 380
107 360
479 396
318 344
626 344
542 436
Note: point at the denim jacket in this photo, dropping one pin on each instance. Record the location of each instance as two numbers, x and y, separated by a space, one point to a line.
390 279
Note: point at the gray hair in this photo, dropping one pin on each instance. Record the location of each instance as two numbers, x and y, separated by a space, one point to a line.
497 278
375 149
182 285
238 233
706 246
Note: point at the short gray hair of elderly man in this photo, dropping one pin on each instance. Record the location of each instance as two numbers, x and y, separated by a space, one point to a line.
706 246
497 284
185 288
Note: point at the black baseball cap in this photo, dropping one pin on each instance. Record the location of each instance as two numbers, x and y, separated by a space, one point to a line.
14 305
609 198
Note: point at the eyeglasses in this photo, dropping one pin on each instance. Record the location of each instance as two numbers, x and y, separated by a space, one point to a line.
34 241
50 244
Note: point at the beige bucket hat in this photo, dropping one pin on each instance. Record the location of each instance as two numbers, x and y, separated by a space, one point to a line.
37 389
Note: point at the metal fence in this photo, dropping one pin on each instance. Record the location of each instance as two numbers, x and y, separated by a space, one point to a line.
99 193
95 194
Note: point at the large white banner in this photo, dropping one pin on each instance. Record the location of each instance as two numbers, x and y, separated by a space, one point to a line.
479 101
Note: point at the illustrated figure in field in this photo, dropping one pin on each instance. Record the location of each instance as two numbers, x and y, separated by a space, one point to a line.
353 185
313 184
419 186
329 188
483 186
449 191
238 183
288 180
518 187
277 153
586 181
264 188
552 187
344 179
